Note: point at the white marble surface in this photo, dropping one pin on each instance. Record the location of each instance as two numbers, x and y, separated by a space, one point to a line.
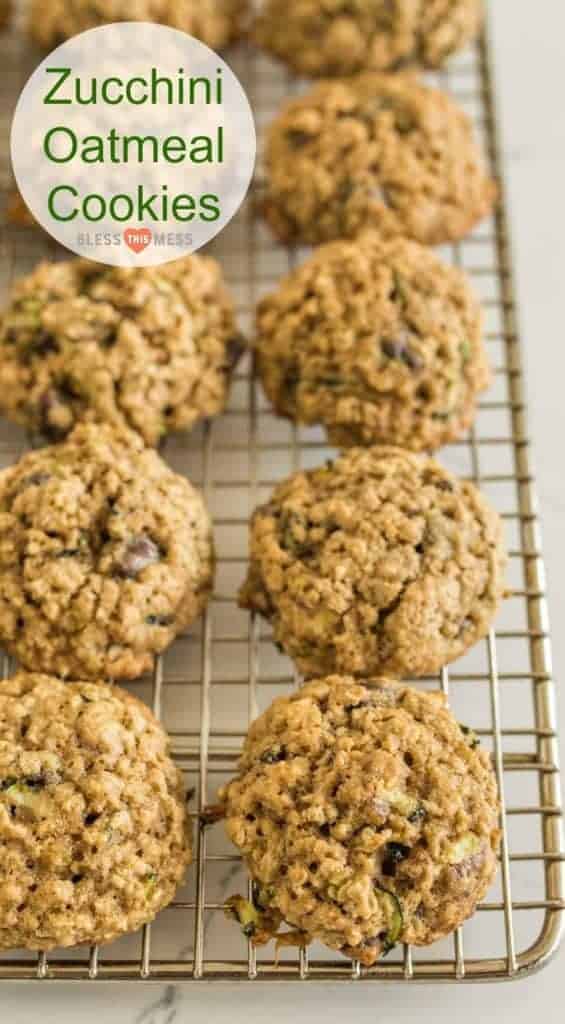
531 72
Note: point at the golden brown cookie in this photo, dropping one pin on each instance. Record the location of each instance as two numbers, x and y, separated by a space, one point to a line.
215 22
381 562
151 349
340 37
379 341
365 815
375 151
105 556
94 836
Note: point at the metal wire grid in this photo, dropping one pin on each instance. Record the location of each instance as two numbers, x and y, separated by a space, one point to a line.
217 679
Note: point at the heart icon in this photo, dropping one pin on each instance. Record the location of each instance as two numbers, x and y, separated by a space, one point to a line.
137 239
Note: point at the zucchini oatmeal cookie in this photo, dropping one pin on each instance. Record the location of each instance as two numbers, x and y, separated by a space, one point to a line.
94 836
375 151
215 22
151 349
379 341
106 555
365 815
380 562
340 37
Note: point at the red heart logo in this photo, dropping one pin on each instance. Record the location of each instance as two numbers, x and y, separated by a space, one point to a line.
137 239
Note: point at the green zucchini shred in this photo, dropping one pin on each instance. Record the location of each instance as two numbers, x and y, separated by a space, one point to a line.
395 919
463 848
244 913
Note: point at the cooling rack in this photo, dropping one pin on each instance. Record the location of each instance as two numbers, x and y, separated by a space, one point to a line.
214 680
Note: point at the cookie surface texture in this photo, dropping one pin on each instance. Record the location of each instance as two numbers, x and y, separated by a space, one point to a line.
374 151
381 562
94 836
365 814
150 349
105 556
381 342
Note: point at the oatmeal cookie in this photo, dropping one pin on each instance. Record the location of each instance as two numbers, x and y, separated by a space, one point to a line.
216 22
375 151
380 562
105 556
341 37
94 836
366 816
379 341
150 349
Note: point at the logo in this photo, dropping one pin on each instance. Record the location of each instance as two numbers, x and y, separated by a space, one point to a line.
137 239
136 124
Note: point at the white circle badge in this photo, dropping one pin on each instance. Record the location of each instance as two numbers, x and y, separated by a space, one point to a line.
133 144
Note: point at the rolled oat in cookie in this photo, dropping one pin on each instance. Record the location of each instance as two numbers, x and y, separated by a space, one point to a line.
340 37
366 816
215 22
150 349
94 835
106 555
380 562
381 342
374 151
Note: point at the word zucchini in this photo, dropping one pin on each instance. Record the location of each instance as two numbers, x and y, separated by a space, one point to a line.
140 90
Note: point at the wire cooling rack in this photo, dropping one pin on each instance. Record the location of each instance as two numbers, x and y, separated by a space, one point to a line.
213 681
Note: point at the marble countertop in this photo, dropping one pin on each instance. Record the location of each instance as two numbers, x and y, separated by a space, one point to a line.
531 83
